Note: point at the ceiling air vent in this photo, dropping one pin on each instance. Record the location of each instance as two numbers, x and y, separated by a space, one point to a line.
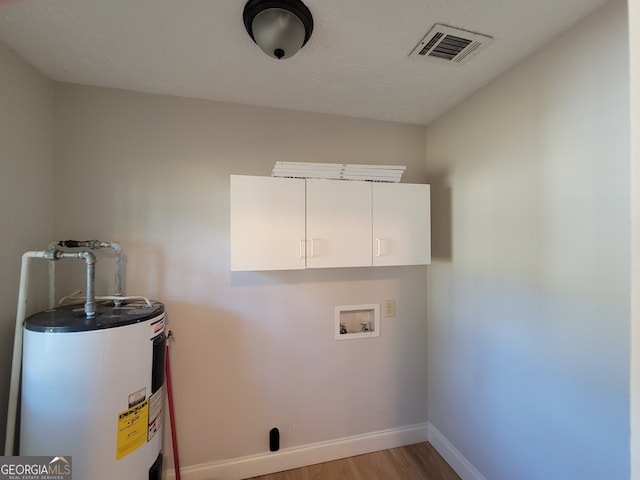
448 44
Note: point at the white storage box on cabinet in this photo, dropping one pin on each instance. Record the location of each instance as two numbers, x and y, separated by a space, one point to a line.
267 223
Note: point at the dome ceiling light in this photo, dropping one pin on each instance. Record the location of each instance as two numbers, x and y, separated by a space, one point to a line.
279 27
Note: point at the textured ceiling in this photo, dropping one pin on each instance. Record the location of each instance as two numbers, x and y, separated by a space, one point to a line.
356 62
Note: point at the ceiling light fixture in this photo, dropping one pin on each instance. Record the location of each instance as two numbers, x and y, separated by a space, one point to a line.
279 27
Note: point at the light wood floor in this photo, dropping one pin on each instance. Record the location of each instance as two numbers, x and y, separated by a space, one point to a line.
413 462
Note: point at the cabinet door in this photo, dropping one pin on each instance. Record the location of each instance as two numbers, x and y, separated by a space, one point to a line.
338 223
401 224
267 223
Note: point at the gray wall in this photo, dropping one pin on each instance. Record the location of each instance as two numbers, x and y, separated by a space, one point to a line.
253 350
529 289
26 106
634 70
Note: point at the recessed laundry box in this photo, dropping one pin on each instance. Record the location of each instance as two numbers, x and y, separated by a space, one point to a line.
93 389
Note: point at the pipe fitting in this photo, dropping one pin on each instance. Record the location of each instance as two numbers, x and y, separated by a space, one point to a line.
94 245
52 254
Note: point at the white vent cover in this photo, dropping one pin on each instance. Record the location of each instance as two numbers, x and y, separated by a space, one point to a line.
448 44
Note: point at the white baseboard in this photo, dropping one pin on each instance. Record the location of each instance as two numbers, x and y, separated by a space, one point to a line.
286 459
452 455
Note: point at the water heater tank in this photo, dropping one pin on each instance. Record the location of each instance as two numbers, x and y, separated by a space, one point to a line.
92 389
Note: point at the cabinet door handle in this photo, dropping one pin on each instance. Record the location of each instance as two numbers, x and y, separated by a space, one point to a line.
301 246
378 247
311 250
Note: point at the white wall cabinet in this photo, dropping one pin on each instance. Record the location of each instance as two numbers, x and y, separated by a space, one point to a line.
267 223
401 224
287 224
338 223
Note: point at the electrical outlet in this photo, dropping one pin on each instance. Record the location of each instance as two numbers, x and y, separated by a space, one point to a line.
389 308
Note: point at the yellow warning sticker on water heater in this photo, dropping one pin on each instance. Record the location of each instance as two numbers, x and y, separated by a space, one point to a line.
132 429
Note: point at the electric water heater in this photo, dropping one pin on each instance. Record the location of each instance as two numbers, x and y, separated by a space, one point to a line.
92 389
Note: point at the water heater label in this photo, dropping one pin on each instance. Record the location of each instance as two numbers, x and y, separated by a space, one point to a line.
132 429
155 413
157 327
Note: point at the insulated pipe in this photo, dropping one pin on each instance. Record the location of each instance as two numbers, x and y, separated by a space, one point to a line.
16 363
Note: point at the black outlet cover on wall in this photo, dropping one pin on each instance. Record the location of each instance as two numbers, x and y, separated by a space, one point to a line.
274 440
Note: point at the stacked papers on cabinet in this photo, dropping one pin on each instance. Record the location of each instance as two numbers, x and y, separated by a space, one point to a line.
339 171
